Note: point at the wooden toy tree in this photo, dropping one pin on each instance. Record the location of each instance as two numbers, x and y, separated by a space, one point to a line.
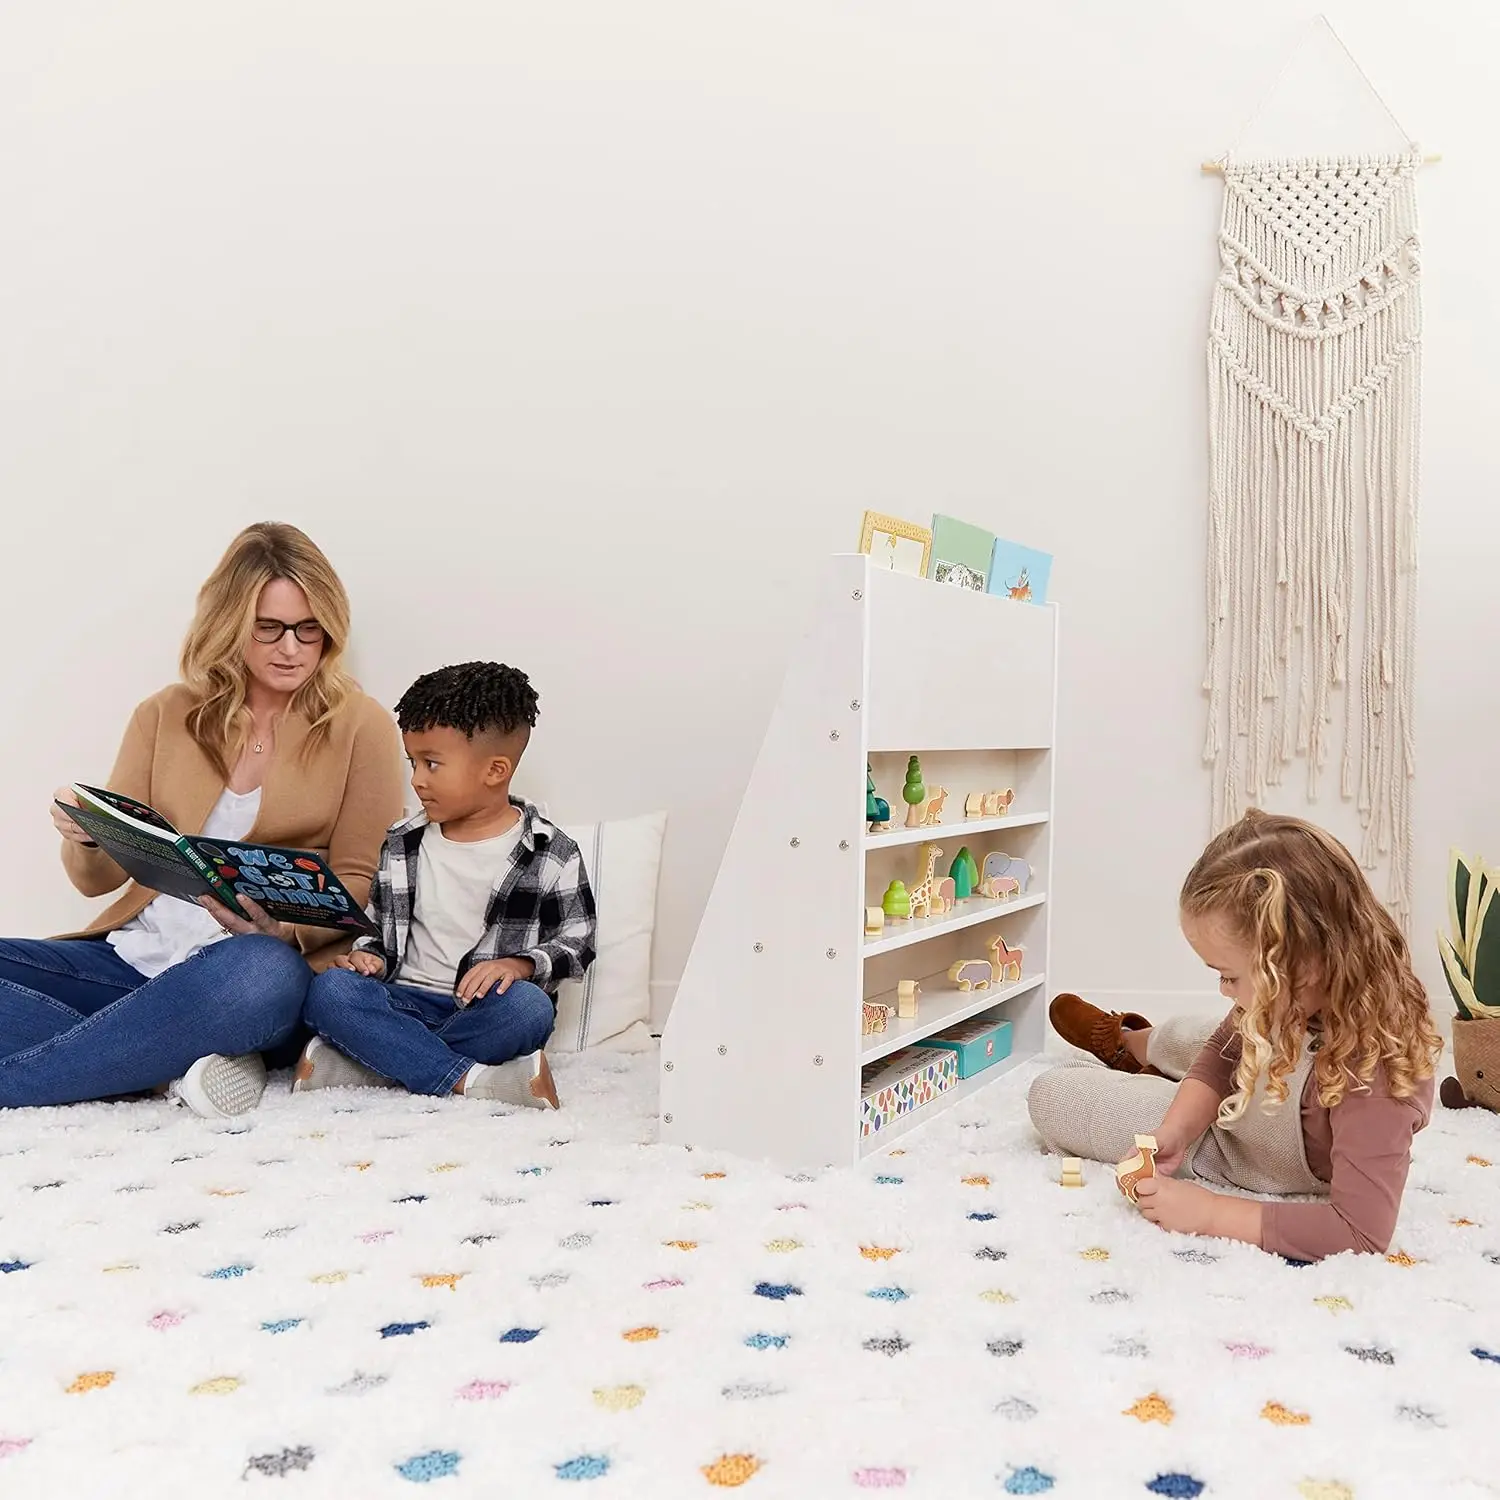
914 793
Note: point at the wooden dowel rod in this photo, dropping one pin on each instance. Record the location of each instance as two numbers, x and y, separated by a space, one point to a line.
1217 167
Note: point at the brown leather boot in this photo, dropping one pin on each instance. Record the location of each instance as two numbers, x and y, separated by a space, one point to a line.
1100 1033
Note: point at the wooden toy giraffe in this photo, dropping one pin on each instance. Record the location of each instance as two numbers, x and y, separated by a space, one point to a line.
920 893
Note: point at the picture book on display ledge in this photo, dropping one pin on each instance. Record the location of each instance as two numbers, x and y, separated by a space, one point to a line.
1020 573
289 885
961 554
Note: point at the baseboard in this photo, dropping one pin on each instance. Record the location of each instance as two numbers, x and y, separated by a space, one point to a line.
662 993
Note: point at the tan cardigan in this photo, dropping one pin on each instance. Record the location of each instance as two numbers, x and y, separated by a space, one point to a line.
339 801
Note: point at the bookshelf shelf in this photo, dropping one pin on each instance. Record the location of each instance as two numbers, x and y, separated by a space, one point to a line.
762 1052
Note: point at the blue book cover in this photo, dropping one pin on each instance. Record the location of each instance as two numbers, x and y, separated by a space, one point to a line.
1018 572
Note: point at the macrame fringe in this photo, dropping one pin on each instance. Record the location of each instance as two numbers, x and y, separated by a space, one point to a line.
1314 417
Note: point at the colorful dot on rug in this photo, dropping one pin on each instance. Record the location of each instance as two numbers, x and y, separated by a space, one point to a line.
91 1380
981 1218
662 1284
1274 1411
1005 1348
586 1466
448 1279
1176 1486
281 1325
732 1470
10 1267
1028 1481
220 1385
1485 1354
783 1247
641 1335
777 1291
357 1384
163 1320
1096 1252
893 1346
578 1241
767 1340
976 1181
1370 1354
1247 1351
751 1390
1152 1408
483 1390
880 1479
329 1278
403 1330
886 1180
619 1397
878 1252
519 1335
989 1252
1334 1305
278 1465
422 1468
997 1296
1401 1258
1324 1489
224 1273
680 1244
888 1293
9 1447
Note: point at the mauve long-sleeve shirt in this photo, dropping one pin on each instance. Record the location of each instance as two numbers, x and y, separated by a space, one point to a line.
1361 1148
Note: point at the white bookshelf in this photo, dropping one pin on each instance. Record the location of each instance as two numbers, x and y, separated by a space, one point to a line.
762 1050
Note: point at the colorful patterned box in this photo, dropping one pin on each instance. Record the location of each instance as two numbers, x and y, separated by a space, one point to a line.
902 1082
976 1044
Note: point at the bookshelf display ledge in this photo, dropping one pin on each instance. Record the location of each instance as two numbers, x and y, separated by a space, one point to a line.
967 828
762 1052
941 1005
909 930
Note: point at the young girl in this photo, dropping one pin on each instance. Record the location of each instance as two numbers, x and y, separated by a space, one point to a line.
1313 1085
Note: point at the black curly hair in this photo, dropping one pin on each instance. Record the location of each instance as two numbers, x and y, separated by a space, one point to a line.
476 697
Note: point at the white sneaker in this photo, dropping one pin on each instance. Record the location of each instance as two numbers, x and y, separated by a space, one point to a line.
217 1087
523 1080
323 1066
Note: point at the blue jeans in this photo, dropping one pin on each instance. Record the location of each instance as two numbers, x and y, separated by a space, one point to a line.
78 1022
421 1038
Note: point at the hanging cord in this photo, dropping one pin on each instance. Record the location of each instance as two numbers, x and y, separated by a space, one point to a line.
1220 162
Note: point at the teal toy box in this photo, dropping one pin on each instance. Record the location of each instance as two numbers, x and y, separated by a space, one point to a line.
979 1044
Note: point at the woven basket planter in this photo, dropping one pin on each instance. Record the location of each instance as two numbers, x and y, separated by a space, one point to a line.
1476 1059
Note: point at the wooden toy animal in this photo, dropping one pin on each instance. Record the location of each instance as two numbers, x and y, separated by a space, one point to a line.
999 864
997 804
936 797
999 885
974 805
1140 1164
920 893
874 921
971 974
908 992
1007 960
872 1019
943 896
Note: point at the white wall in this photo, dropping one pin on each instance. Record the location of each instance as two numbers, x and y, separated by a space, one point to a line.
578 333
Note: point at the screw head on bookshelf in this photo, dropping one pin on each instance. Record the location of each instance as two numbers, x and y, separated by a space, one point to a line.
760 947
833 734
796 843
817 1059
723 1050
832 953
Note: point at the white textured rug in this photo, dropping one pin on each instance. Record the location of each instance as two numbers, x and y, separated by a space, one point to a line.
360 1293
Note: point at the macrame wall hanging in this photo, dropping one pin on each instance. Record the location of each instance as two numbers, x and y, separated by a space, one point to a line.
1314 412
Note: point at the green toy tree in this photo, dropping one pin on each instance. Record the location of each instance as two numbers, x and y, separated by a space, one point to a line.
964 873
914 793
877 809
896 903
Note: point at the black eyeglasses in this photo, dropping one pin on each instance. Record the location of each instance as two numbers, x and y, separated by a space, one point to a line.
269 632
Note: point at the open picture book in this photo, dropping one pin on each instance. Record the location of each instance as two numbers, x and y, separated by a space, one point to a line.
289 885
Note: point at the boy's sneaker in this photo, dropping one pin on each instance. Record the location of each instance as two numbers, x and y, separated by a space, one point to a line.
323 1066
217 1087
524 1080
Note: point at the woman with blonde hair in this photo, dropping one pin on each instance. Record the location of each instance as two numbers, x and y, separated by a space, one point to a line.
265 738
1311 1087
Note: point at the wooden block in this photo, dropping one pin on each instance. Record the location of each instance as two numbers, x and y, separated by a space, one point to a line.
1072 1172
1136 1167
907 993
874 921
873 1019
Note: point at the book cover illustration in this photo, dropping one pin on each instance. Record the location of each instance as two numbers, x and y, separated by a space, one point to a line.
290 885
961 553
1020 573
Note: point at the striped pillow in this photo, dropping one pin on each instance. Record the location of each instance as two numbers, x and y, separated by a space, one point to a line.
612 1002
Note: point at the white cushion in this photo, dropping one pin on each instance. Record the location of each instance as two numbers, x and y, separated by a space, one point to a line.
611 1005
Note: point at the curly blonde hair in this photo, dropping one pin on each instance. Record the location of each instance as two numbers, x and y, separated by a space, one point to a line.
213 655
1295 897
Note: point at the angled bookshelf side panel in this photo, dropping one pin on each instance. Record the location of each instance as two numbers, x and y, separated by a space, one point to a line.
760 1054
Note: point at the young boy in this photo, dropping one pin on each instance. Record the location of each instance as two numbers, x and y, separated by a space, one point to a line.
483 906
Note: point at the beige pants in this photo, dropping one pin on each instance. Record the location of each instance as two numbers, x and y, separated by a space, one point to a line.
1081 1108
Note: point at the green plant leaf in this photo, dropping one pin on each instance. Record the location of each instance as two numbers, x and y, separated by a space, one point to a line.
1459 877
1458 981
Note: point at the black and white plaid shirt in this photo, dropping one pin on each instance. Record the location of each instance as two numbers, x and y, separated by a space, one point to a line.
542 907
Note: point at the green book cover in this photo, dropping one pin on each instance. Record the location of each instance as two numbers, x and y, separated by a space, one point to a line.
960 553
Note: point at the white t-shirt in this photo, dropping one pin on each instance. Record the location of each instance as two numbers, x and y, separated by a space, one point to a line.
454 884
170 930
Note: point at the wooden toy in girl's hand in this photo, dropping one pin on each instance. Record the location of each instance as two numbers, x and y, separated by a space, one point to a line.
1136 1167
